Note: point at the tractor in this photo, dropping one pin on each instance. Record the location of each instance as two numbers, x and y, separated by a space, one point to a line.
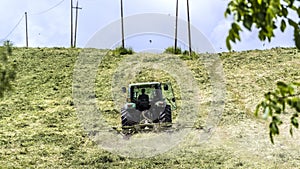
147 104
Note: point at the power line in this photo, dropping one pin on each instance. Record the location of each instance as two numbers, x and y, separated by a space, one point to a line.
12 29
49 9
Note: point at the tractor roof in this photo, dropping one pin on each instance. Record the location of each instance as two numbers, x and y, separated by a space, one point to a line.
144 84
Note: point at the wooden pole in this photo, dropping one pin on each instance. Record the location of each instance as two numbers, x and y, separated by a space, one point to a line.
76 23
176 26
26 27
122 25
71 23
189 27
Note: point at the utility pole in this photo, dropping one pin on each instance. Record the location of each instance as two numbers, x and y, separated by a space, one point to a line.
122 25
26 27
176 26
71 23
76 21
189 27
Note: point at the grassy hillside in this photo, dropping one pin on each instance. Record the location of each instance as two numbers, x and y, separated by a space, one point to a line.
39 127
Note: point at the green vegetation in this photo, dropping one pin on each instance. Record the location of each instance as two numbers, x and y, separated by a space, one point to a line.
7 69
40 128
122 51
266 16
185 55
171 50
275 104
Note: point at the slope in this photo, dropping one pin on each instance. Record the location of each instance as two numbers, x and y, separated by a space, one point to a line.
40 127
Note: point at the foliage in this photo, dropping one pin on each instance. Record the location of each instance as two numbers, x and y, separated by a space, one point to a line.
275 104
184 55
171 50
265 15
7 69
122 51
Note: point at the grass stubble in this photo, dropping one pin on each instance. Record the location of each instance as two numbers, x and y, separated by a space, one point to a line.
40 127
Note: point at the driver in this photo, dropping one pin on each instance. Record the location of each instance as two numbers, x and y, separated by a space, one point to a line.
143 100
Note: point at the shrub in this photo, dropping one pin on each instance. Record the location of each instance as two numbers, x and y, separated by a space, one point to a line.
172 50
122 51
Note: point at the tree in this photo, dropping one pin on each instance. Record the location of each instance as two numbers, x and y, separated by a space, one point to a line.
7 69
265 15
284 98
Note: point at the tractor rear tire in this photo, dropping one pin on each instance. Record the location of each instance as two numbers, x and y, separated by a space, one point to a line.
124 118
166 115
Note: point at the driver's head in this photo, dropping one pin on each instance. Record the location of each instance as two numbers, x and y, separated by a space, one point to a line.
143 91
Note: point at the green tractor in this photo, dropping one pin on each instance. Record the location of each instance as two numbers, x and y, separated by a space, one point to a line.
148 104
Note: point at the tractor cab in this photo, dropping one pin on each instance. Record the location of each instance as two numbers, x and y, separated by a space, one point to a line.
155 91
155 98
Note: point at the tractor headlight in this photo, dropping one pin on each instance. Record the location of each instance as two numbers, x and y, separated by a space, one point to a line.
160 104
130 106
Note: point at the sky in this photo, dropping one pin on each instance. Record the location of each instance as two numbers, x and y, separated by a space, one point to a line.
49 23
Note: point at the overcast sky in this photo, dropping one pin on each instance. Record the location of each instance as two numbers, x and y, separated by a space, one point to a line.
48 28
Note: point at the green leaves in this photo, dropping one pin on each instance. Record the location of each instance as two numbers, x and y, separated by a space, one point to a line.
7 69
283 25
259 2
275 104
297 36
294 120
234 34
274 130
264 14
248 22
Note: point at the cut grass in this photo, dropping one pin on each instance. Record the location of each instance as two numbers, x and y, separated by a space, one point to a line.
40 128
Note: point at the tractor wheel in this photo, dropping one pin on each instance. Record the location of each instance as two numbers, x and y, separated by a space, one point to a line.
166 115
124 118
